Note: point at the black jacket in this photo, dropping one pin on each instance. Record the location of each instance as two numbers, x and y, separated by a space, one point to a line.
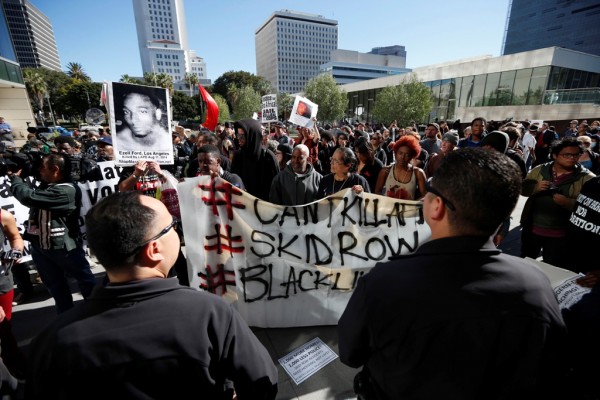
455 320
256 165
150 339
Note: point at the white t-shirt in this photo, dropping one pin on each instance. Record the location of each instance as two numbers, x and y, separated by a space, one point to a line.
529 143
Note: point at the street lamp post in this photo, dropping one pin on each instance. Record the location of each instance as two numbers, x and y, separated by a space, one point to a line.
369 101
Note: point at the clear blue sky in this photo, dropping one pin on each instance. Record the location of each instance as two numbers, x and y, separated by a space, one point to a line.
101 35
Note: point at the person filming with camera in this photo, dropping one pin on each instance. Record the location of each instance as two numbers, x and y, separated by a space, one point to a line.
53 228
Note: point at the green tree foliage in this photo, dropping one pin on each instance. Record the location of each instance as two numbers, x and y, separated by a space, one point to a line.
406 102
75 99
184 107
224 114
226 84
55 81
164 80
125 78
150 79
75 71
36 87
248 102
285 102
332 100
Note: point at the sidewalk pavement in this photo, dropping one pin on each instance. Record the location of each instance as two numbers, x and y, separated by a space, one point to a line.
333 381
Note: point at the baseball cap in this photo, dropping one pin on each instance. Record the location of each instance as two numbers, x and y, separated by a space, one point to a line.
105 139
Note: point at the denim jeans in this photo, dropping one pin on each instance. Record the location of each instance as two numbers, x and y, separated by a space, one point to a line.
55 265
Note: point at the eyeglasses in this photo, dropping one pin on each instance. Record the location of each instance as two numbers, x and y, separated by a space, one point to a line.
153 238
334 161
572 156
432 190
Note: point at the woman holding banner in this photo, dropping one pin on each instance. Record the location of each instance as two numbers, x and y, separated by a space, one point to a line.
343 163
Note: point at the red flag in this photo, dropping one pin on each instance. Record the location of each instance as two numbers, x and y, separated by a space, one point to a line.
212 109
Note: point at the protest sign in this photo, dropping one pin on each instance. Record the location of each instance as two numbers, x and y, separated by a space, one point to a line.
92 192
303 112
563 282
12 205
289 266
140 122
269 108
306 360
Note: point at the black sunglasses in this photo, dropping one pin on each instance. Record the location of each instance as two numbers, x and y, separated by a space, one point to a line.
160 234
432 190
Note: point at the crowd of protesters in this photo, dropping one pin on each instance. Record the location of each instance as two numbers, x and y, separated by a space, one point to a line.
288 165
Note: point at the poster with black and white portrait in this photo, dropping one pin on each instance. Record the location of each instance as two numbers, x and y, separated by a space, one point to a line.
140 122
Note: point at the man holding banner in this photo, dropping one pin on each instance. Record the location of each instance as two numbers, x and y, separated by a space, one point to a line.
143 335
457 319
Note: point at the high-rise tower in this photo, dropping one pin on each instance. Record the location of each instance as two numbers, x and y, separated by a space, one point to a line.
162 39
32 35
290 47
537 24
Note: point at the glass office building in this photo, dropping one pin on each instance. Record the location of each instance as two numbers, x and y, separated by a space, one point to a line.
536 24
14 102
551 84
32 35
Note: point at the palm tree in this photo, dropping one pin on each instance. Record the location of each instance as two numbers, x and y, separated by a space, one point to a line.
191 79
164 80
76 72
128 79
36 85
150 78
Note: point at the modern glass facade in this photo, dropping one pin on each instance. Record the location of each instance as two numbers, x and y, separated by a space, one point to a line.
9 69
536 24
32 35
6 48
531 87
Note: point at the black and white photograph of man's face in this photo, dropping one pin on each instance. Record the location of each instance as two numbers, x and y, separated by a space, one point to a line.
140 114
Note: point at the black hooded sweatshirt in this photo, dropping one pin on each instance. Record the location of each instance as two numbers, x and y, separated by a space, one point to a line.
256 165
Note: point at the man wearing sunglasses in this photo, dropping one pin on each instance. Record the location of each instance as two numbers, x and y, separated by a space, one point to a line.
143 335
456 319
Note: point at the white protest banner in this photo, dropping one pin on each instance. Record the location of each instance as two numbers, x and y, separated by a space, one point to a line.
290 266
12 205
92 192
563 281
269 108
303 111
306 360
140 123
569 292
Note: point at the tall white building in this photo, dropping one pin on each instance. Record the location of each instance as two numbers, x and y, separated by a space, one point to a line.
162 40
290 47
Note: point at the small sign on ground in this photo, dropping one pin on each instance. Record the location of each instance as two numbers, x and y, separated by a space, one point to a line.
303 362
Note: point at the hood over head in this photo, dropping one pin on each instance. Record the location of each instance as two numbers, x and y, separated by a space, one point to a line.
253 130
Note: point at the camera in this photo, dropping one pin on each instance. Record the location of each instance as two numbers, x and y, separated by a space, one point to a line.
553 189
